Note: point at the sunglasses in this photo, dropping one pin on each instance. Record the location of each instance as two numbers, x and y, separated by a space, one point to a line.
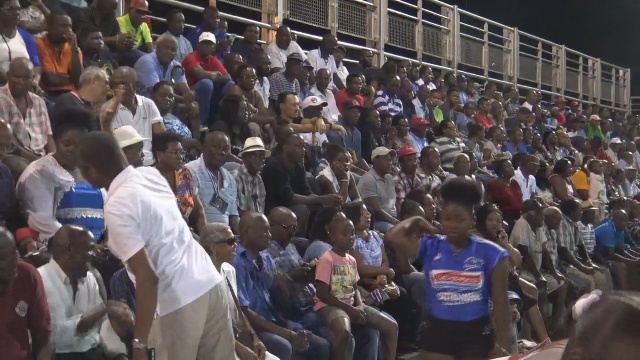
230 241
290 228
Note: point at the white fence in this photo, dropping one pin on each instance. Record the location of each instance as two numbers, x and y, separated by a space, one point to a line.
442 36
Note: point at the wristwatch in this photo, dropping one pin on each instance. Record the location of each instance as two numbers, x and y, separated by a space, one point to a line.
137 344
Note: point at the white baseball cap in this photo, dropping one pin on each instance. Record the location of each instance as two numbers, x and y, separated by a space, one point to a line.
615 140
207 36
313 101
127 136
381 151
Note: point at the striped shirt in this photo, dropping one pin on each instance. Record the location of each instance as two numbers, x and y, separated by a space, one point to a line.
449 149
588 236
32 130
385 102
280 84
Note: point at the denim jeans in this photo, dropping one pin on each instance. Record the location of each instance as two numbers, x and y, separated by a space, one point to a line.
204 91
366 342
319 348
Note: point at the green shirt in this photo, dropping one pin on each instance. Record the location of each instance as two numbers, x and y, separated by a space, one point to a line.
594 131
142 33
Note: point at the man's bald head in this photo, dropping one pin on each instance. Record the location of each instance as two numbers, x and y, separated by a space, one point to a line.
620 219
280 212
68 235
71 246
215 137
125 72
254 231
20 64
552 217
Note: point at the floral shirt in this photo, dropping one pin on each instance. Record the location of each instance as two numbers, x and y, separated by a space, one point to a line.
175 125
186 192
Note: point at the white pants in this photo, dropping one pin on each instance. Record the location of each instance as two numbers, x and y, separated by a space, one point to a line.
201 329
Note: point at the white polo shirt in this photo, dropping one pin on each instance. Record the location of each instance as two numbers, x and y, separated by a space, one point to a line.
146 115
528 186
141 212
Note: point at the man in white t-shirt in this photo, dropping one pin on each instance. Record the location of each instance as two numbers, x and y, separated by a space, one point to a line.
128 108
322 58
524 176
182 310
280 49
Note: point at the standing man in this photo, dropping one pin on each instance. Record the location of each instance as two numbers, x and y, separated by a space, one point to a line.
174 276
217 188
26 324
60 56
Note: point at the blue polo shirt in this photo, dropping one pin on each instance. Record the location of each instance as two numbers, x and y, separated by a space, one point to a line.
150 72
458 286
607 237
352 141
254 283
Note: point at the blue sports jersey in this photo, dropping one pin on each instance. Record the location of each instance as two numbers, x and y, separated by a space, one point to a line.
458 285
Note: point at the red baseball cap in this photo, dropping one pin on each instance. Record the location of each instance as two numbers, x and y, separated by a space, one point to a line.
407 150
26 232
418 120
141 5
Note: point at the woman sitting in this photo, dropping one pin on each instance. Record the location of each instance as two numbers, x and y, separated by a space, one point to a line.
164 98
561 181
336 178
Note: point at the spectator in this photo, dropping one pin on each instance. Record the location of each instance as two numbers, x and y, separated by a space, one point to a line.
524 176
421 102
131 144
593 128
254 294
210 23
220 244
251 190
426 77
407 179
449 145
147 232
387 100
94 53
217 188
336 178
516 142
597 189
430 167
133 23
19 43
287 185
352 90
169 154
248 46
93 88
482 116
561 181
263 70
610 244
369 125
164 98
339 55
76 320
175 27
284 46
26 326
204 71
320 89
32 17
377 190
505 191
32 130
132 109
533 98
365 67
287 80
580 180
437 256
418 133
322 58
352 140
51 190
161 65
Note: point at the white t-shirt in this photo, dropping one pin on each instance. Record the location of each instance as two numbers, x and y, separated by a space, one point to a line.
142 213
528 186
319 63
147 114
12 49
279 56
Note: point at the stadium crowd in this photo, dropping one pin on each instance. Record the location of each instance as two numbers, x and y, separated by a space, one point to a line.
200 195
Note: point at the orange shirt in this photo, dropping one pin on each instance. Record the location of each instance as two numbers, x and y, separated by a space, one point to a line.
54 62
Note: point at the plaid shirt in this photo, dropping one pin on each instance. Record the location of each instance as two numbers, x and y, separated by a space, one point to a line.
569 235
33 130
287 259
633 230
251 191
404 184
552 245
588 236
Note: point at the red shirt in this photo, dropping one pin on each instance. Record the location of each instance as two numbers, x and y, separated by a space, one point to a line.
508 197
482 120
561 118
343 95
23 310
194 60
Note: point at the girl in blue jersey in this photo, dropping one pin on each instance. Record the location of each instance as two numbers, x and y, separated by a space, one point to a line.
463 273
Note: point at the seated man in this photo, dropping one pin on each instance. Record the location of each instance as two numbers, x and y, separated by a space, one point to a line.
257 281
175 27
251 192
378 190
286 183
610 245
135 110
248 46
284 46
25 328
320 89
76 319
161 65
60 56
94 53
26 112
203 69
133 23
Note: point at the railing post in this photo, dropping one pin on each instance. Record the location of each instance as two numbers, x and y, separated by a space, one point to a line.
563 70
454 33
598 90
383 23
590 78
485 50
539 66
627 92
333 17
419 34
507 53
515 56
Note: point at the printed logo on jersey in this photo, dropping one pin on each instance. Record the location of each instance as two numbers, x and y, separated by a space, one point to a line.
473 263
457 287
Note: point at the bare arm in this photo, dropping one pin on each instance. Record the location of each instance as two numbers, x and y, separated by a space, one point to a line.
146 293
261 323
374 203
50 146
527 262
501 312
198 212
323 292
158 128
405 236
215 76
369 271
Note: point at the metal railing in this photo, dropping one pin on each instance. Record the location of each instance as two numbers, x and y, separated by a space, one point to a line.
444 37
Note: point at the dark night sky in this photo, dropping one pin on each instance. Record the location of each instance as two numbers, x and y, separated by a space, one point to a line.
605 29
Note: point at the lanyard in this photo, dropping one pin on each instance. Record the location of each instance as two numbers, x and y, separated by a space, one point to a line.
216 184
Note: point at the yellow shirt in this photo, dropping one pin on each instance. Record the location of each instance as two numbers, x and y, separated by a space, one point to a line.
142 33
580 180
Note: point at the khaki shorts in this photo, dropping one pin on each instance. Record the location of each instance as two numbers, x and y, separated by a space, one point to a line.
330 313
552 283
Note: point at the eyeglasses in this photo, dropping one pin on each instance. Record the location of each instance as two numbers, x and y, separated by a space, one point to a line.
180 153
229 241
290 228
